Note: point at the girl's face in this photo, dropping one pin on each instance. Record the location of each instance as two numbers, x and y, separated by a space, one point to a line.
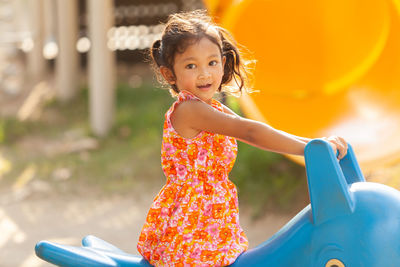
199 69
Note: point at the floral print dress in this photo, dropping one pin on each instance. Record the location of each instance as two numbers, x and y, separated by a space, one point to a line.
194 219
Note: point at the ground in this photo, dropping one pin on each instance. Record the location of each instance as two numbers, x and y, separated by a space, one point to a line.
56 211
36 213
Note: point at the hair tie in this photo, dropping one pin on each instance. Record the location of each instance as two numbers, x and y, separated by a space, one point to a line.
157 52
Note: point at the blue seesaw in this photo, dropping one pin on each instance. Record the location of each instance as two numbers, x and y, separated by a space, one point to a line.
349 223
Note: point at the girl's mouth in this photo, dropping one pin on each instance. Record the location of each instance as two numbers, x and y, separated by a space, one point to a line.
204 87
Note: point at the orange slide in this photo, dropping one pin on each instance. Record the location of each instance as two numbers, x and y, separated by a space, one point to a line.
324 67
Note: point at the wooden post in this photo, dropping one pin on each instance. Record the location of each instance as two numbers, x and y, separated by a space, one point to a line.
35 60
101 67
67 67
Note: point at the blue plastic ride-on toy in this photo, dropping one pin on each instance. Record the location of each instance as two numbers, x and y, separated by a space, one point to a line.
350 222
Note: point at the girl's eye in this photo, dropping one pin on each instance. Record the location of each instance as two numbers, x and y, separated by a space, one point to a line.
213 63
190 66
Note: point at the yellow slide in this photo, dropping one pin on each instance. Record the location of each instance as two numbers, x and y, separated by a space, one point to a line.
324 67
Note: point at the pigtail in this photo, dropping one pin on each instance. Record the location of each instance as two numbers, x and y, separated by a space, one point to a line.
157 56
156 53
237 69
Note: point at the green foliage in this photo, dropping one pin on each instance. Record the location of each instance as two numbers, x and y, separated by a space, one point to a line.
233 103
141 111
11 129
2 132
126 158
131 152
268 181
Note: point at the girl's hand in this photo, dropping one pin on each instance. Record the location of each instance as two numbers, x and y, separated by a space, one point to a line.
337 143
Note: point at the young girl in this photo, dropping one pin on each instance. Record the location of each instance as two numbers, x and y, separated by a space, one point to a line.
193 220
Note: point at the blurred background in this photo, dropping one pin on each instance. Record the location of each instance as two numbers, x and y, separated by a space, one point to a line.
81 113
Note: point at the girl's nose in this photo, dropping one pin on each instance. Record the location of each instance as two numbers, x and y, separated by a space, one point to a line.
204 73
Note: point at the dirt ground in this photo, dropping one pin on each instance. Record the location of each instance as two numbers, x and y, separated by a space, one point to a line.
35 213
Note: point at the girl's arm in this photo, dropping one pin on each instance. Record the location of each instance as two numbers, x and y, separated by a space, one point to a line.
303 139
337 143
198 116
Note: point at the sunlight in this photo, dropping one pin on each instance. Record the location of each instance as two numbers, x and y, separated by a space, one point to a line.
9 230
27 175
5 166
33 102
32 261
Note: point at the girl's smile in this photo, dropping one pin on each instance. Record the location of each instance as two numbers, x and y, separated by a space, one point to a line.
204 87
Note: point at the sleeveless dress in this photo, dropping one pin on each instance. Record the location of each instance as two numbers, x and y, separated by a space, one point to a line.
194 219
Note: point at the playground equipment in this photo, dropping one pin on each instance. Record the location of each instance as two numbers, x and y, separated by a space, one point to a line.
324 68
350 222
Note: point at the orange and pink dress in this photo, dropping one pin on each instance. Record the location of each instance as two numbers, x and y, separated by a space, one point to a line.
194 219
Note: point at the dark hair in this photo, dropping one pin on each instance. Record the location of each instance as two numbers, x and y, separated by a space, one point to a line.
183 29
